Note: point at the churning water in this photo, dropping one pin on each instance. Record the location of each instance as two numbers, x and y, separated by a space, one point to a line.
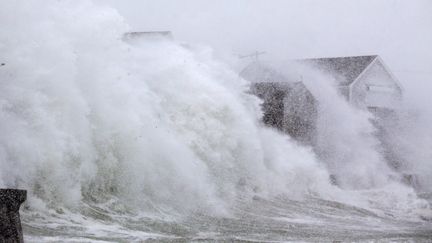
121 142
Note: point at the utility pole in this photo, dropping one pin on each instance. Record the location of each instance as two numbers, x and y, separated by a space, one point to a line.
255 55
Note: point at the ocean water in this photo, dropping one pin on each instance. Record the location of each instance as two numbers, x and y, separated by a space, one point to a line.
123 142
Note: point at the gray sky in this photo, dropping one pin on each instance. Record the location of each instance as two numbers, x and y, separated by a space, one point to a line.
398 30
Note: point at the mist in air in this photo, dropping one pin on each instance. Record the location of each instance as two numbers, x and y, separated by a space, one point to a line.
119 138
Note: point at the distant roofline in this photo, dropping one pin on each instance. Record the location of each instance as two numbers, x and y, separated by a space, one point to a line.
163 32
147 34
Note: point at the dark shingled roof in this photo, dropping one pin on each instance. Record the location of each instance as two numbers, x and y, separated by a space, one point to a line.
345 69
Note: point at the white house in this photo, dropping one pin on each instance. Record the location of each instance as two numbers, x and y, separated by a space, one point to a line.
365 81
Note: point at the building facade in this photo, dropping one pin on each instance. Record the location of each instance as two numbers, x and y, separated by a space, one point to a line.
365 81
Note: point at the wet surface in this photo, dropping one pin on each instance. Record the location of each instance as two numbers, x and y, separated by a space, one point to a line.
261 220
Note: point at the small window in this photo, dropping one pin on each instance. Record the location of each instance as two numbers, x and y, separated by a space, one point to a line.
376 88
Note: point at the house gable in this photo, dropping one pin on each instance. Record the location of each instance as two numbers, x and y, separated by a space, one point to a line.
375 87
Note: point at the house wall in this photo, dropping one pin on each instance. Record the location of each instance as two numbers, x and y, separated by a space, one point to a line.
375 88
273 106
290 108
300 114
378 92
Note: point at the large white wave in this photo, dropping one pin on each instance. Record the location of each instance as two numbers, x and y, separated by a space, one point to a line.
85 114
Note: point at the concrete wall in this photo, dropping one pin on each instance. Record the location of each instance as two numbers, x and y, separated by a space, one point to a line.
10 223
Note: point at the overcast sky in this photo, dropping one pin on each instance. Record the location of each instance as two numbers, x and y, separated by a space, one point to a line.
400 31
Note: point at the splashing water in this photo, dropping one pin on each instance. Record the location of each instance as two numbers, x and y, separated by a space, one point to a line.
121 142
